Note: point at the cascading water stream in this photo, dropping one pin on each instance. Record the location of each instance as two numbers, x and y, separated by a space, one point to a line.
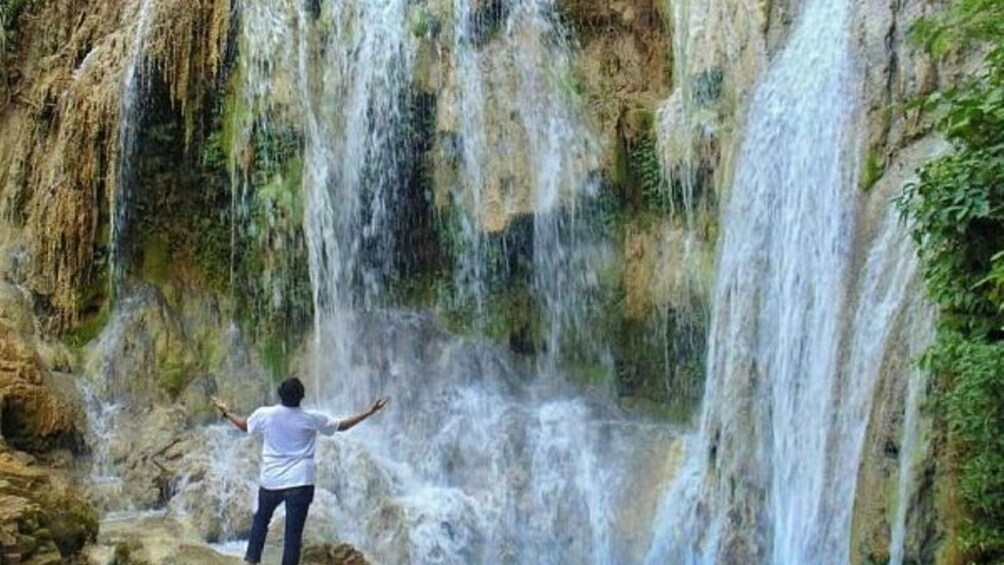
100 409
562 153
470 274
771 476
355 150
910 445
540 452
130 114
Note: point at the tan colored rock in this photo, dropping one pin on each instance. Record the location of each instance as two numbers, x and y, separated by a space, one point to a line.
664 266
41 518
164 541
33 418
623 63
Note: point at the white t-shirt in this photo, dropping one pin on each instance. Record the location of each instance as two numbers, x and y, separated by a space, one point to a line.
287 455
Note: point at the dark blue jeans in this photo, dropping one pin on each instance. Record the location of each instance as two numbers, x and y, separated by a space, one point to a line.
297 500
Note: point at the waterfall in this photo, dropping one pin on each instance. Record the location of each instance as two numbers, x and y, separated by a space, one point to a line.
479 466
130 115
354 154
479 459
766 474
532 134
882 314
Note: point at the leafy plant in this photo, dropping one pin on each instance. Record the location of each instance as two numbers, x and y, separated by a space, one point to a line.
957 209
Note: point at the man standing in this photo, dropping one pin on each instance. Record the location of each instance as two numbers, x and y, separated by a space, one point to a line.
287 462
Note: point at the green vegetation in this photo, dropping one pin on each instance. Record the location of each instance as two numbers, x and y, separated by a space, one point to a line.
646 173
637 170
957 209
873 170
87 329
10 12
421 22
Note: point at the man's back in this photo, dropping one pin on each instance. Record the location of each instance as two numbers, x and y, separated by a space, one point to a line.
290 437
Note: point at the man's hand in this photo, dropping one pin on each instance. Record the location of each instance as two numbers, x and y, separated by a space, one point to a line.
378 405
220 405
239 421
349 423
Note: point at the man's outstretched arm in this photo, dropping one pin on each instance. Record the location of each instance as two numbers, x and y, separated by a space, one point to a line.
377 406
239 421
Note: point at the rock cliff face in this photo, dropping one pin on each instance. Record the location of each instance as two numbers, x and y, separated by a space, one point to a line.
42 520
61 162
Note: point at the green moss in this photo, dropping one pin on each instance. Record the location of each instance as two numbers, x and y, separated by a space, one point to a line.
420 22
174 375
156 265
92 309
591 374
874 169
87 330
275 355
72 523
280 200
570 84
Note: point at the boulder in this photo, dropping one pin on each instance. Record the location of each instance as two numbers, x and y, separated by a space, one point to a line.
32 419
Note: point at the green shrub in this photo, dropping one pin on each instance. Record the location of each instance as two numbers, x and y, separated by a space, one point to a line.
957 209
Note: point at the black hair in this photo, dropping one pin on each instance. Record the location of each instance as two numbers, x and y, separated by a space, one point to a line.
291 392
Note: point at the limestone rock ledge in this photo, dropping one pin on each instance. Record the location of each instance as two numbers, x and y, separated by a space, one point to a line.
160 540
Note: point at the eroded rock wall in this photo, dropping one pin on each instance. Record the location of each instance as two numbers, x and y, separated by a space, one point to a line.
59 163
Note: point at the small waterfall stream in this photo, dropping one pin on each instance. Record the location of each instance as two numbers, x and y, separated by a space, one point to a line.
535 136
911 448
130 115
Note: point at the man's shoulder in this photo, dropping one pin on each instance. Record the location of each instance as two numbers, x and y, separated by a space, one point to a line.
265 411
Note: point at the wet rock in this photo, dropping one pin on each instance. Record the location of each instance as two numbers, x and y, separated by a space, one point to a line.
143 453
214 485
160 540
